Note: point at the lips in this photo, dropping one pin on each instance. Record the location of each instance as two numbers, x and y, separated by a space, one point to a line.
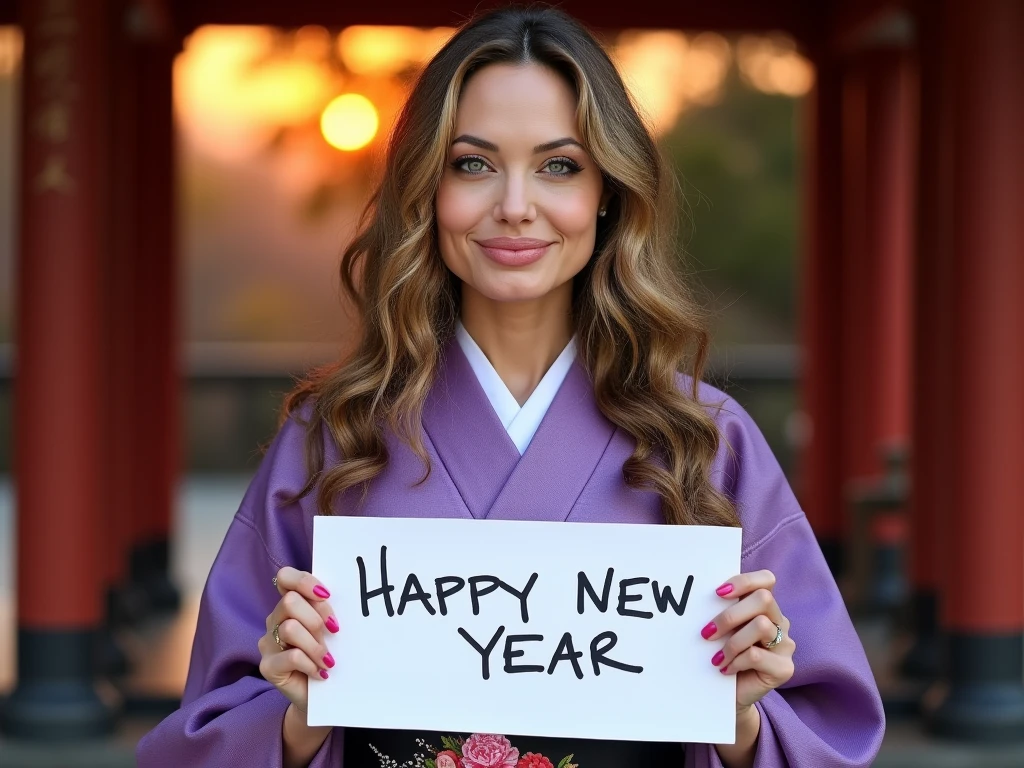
514 251
514 243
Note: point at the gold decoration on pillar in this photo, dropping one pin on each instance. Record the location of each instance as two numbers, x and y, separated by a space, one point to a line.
54 177
53 67
53 122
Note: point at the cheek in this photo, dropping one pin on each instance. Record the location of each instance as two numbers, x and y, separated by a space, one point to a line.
457 211
574 218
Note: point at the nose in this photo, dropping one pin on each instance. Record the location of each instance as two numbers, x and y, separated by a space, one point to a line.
515 204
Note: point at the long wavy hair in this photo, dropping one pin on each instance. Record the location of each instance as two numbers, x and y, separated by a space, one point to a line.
639 327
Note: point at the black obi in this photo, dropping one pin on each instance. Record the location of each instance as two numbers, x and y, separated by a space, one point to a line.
372 748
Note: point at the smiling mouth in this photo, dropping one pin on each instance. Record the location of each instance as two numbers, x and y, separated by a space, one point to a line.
514 251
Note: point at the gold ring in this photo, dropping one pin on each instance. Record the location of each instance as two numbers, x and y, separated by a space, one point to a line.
777 640
277 637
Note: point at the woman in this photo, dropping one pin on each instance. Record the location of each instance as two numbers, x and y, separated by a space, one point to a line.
523 328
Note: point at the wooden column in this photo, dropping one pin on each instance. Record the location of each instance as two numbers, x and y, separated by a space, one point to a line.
932 463
127 603
983 590
157 398
877 194
58 394
821 385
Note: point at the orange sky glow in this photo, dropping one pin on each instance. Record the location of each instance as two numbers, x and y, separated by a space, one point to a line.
237 87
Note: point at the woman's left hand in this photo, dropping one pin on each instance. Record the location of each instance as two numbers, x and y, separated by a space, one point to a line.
751 624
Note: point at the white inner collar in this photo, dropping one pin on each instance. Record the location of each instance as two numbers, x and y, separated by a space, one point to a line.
521 422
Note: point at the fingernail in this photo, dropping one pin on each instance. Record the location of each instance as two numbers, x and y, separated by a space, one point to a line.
323 674
321 592
724 590
723 670
709 630
332 624
717 658
328 660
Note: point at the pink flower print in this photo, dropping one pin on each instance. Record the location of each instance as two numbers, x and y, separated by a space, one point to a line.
486 750
446 759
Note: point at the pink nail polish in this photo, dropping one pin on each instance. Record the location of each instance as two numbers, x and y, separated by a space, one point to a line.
723 670
328 660
332 624
321 592
323 674
717 658
709 630
724 590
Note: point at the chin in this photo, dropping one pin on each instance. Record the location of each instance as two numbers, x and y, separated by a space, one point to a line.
512 288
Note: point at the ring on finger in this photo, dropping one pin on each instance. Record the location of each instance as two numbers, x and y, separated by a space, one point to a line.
274 581
277 637
777 640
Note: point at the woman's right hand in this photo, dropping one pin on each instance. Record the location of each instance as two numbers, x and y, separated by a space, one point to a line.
301 617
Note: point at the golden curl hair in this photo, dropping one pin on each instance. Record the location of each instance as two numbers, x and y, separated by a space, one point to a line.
638 326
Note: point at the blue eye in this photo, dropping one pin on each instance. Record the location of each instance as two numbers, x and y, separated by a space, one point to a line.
471 164
562 166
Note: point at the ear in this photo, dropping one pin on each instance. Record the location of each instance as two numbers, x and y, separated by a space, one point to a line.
606 196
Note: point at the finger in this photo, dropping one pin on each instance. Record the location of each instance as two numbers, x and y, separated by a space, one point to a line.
761 601
295 606
306 588
758 630
294 634
745 583
278 667
293 580
774 667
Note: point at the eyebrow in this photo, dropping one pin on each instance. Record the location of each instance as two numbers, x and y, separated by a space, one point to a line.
491 147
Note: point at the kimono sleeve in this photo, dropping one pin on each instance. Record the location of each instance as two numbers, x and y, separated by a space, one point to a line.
830 712
230 716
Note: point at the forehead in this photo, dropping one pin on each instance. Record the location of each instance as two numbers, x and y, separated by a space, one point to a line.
527 102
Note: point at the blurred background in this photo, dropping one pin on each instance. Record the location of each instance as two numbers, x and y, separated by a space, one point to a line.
177 183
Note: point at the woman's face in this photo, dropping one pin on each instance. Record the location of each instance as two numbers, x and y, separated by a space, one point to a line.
517 204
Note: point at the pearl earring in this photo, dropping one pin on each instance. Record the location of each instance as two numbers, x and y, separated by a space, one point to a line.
602 212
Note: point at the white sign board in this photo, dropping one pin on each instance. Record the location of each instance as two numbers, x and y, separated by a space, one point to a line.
531 628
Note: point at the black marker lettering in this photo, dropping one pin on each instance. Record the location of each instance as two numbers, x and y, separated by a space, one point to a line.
584 584
522 595
598 657
566 652
475 593
385 588
510 654
626 598
443 593
485 653
413 583
664 599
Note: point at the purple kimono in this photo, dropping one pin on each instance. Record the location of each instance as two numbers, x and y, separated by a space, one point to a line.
829 714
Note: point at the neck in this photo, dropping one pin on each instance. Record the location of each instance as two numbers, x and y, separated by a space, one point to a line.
521 339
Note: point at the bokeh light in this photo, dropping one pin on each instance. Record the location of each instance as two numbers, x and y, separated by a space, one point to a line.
10 50
773 65
665 71
383 51
349 122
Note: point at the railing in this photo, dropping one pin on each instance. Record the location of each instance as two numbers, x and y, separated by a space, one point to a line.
233 394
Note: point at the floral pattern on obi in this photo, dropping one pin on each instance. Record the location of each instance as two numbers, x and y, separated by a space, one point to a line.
481 750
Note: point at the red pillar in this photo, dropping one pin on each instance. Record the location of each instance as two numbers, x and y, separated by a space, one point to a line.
877 124
157 400
58 394
983 589
821 486
125 603
932 462
890 112
877 169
